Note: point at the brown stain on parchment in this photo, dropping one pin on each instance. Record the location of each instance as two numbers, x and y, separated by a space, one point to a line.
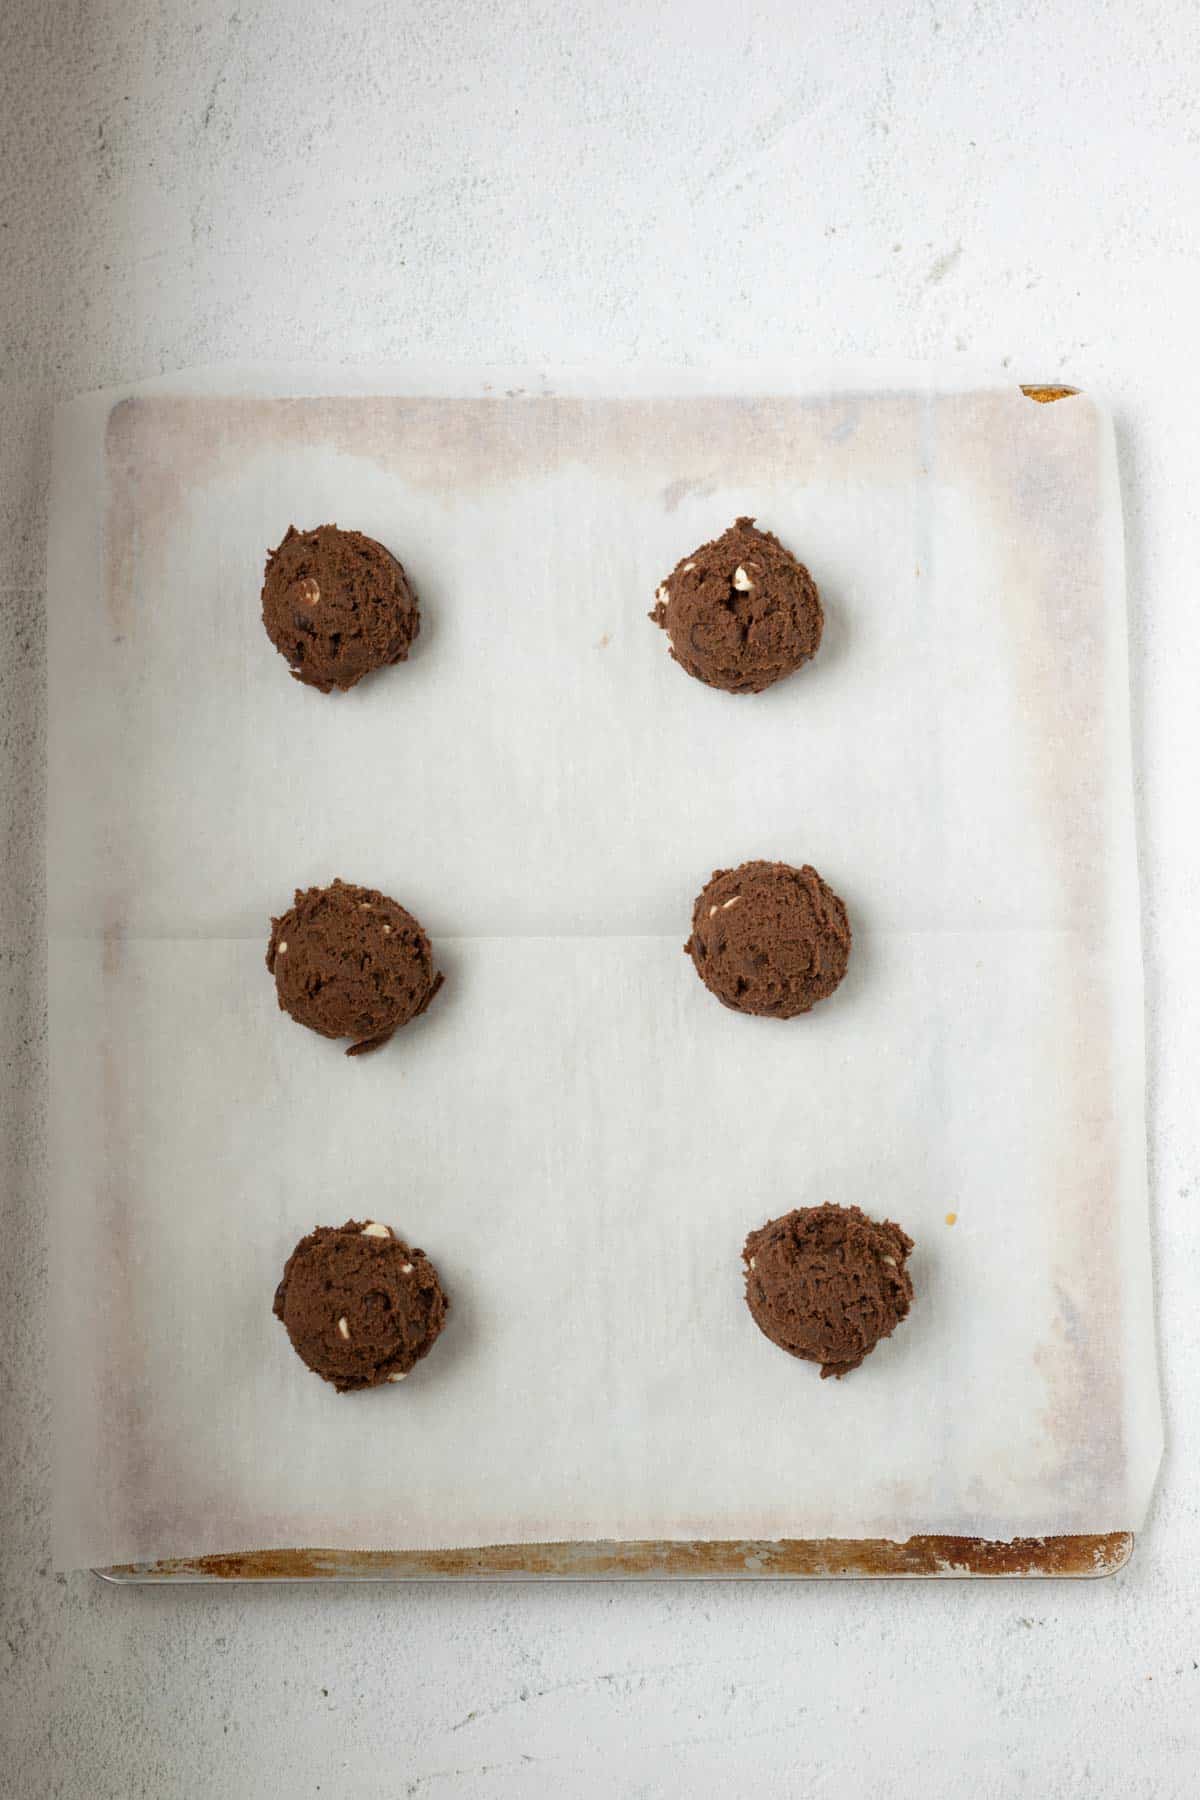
1062 688
122 1422
813 1559
159 448
149 1507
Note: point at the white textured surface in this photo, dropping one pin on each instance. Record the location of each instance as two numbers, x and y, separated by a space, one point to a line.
1007 188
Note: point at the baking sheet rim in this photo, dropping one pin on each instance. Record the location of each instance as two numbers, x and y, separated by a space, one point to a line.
936 1557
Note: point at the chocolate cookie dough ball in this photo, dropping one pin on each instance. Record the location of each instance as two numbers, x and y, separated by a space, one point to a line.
826 1283
740 612
769 939
336 604
360 1307
350 963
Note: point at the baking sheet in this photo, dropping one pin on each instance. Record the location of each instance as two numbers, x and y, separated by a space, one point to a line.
576 1133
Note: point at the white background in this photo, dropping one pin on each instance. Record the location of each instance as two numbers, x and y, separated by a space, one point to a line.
1002 189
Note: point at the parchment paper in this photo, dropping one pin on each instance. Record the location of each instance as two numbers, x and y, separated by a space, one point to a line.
576 1132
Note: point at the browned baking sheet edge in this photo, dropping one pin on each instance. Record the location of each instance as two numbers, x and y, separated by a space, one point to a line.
1044 394
795 1559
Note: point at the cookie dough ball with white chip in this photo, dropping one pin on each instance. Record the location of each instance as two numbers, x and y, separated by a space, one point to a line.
337 605
740 612
359 1306
827 1283
769 939
349 962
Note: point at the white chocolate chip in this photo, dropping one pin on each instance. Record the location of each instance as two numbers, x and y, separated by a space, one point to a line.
662 594
387 931
344 1327
406 1268
753 1260
281 949
375 1229
890 1261
365 906
728 903
688 566
712 912
400 1375
308 591
741 580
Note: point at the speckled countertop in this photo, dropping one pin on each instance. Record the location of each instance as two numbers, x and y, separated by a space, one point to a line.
1009 191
